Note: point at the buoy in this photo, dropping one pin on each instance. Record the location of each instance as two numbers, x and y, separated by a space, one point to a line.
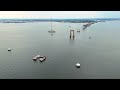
9 49
78 65
42 58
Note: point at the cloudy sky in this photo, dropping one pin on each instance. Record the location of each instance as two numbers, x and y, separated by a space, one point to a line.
60 14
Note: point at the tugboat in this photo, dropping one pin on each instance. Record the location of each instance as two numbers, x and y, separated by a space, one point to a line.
35 58
42 58
38 56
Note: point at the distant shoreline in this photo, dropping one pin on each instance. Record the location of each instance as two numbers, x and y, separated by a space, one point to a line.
95 20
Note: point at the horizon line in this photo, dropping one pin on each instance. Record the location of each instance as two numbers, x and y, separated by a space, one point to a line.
63 18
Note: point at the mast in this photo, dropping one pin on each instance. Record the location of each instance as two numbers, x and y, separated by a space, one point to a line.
51 23
51 31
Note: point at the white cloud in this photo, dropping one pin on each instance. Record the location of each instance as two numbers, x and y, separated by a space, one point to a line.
49 14
12 14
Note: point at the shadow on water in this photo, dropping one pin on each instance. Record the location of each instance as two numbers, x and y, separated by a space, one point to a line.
51 34
38 61
35 61
42 61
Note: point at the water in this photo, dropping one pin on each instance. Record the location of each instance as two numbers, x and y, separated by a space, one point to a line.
99 56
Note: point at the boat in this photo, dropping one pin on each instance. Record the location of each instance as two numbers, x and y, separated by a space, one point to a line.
51 31
9 49
78 30
38 56
35 58
42 58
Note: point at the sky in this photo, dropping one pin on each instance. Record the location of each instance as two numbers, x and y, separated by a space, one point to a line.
60 14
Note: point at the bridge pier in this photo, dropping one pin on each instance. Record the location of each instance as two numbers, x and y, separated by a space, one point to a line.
72 33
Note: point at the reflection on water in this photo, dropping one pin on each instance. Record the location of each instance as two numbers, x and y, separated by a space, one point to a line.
51 34
72 41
